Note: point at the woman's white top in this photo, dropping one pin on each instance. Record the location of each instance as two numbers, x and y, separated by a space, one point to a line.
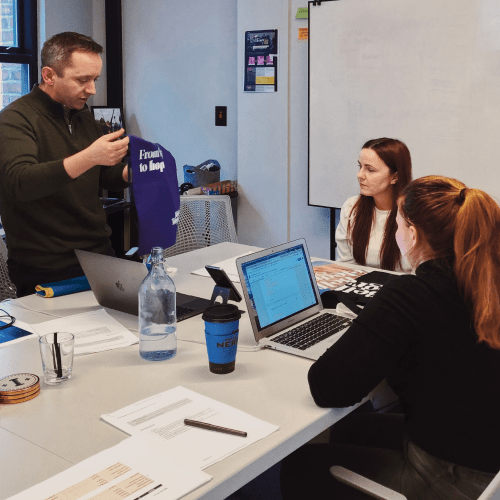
343 253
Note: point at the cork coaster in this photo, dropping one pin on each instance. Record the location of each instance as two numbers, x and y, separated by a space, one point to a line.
19 388
19 399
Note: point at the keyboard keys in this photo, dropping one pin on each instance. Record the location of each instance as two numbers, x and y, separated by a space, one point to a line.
306 335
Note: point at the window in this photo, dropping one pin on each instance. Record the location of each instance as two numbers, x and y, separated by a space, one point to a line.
18 49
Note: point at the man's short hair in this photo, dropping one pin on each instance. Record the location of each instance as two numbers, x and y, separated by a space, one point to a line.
57 50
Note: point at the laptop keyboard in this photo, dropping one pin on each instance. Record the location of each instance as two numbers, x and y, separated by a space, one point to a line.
182 312
312 332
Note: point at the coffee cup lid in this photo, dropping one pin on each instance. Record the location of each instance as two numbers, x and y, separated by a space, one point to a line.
222 313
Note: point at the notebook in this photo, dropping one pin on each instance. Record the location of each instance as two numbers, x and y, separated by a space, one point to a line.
284 303
115 283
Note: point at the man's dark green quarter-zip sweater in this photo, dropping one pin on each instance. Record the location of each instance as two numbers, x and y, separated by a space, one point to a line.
45 213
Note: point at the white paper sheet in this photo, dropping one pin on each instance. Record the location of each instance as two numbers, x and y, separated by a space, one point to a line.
228 265
94 331
159 420
130 470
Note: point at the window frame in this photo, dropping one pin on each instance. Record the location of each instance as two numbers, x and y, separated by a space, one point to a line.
27 37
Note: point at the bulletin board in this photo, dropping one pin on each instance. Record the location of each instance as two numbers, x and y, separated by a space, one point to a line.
261 61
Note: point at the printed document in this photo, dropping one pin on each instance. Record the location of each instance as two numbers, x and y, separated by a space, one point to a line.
94 331
159 420
129 470
228 265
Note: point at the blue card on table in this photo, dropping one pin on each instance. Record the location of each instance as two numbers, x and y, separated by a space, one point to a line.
12 333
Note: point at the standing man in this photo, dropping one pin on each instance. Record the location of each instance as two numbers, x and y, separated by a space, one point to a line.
53 159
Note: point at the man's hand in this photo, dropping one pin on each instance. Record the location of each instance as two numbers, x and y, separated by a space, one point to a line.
107 150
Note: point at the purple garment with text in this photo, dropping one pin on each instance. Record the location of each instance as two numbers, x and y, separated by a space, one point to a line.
156 194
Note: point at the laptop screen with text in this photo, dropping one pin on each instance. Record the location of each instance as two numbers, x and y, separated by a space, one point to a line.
279 285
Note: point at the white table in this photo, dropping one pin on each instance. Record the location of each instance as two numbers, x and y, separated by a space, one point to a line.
62 426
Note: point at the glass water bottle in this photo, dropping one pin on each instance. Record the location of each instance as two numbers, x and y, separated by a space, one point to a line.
157 317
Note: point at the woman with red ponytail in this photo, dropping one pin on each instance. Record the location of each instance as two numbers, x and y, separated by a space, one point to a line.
436 336
461 226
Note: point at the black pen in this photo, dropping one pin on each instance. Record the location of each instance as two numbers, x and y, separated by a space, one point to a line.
211 427
148 492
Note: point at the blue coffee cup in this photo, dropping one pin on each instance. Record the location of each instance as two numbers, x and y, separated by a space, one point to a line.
221 333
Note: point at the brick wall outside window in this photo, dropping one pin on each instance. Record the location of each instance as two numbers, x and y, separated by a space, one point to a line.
11 75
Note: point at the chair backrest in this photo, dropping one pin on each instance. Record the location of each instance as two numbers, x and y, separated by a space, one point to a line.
7 288
492 492
204 220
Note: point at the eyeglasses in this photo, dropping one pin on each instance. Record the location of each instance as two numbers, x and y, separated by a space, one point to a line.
6 319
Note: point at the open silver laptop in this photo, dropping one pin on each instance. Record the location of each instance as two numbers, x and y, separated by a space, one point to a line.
284 303
115 283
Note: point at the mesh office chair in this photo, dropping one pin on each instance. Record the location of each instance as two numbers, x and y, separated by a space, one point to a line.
203 221
375 490
7 288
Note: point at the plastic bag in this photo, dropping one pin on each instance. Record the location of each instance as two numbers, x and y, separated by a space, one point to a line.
203 174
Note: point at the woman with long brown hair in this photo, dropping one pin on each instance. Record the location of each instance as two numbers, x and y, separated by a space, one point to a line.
365 233
436 336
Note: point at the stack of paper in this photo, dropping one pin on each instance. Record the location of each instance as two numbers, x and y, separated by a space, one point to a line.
94 331
163 458
159 420
228 265
130 469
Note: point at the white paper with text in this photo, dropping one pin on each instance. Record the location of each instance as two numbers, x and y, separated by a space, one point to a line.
129 470
159 420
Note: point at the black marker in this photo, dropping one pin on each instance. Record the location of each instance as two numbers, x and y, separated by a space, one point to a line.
216 428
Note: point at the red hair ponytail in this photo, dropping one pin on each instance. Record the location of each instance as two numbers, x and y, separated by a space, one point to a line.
477 261
463 226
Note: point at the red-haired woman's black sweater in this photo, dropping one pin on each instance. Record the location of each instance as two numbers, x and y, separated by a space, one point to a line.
417 331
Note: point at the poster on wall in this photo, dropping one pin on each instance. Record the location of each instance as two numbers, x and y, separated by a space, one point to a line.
261 61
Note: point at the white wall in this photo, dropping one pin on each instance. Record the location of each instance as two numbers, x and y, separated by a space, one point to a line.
181 59
179 63
86 17
68 15
272 139
263 135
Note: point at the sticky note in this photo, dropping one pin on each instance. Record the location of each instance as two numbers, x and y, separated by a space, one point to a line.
302 13
303 33
260 60
251 61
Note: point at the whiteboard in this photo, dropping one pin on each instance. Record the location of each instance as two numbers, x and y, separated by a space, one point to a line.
426 72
